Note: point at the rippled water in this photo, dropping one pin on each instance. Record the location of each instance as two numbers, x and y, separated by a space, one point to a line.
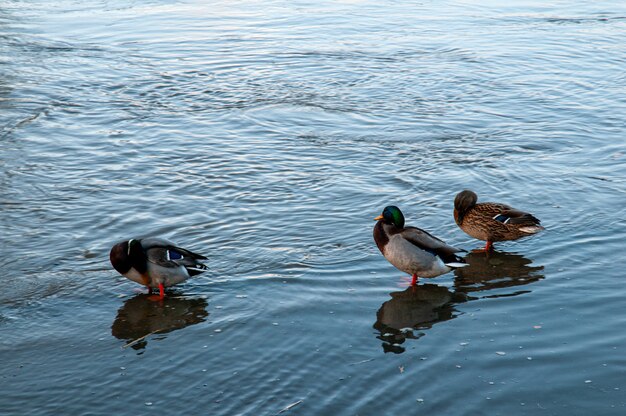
267 135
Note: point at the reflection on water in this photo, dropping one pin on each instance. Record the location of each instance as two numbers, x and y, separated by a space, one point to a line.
140 317
420 307
416 308
495 270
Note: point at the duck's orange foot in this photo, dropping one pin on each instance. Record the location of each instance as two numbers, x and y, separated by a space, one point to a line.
161 294
488 248
155 298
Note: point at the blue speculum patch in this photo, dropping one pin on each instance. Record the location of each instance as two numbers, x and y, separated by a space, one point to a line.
501 218
174 255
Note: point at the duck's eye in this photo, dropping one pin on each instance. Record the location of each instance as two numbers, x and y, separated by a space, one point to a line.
174 255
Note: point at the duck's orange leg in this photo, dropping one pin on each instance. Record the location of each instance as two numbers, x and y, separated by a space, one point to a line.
161 291
161 294
488 248
414 281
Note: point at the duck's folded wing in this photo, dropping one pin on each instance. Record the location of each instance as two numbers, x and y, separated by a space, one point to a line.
187 253
172 256
160 243
515 216
490 209
432 244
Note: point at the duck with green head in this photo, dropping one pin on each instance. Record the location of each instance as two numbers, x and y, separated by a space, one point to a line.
492 221
412 250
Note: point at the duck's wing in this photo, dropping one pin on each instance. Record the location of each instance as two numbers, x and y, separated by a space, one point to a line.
515 216
505 214
428 242
165 253
490 209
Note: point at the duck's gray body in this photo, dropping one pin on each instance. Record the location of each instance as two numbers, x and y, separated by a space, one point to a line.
412 250
154 261
410 258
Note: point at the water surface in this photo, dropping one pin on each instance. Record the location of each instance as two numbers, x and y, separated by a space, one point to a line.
267 136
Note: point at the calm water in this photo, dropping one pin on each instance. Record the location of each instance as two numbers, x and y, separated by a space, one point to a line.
268 135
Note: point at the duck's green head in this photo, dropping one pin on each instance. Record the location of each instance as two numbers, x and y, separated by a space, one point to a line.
392 215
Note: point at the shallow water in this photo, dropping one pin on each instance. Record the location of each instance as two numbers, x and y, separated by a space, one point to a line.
268 135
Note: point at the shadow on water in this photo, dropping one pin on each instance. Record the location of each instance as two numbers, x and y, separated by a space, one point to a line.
418 308
140 317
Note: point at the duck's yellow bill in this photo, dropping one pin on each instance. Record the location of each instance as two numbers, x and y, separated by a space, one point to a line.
380 217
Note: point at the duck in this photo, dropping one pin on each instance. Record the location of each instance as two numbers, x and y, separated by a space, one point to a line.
492 221
413 250
155 262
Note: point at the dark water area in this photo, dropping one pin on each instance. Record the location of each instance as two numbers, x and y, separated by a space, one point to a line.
267 136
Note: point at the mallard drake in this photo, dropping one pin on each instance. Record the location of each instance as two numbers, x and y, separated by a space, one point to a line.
491 221
155 262
412 250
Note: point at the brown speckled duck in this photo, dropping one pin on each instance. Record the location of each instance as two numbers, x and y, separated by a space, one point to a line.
491 221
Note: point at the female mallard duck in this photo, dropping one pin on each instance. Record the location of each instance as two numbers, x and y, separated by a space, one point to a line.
490 221
155 262
412 250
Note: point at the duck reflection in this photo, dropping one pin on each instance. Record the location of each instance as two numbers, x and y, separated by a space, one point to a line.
416 308
140 317
420 307
495 270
